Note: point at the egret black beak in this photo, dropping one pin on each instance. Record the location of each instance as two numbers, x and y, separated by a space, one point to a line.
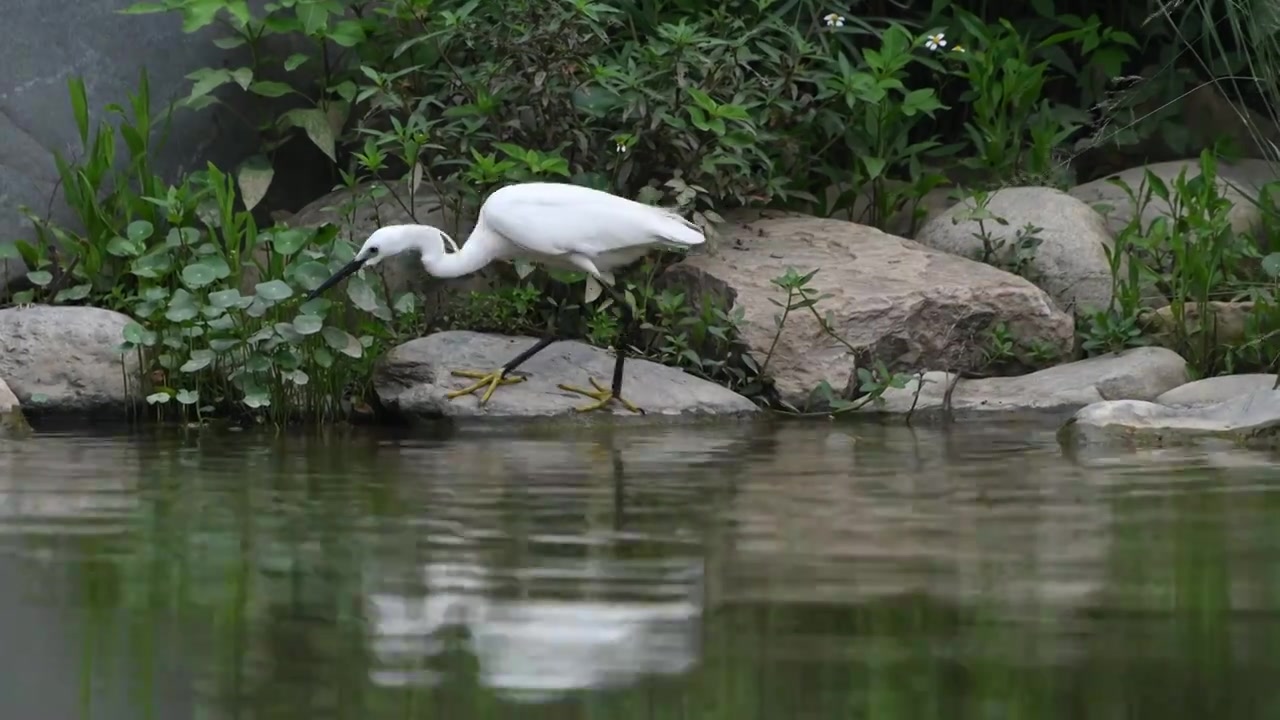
338 277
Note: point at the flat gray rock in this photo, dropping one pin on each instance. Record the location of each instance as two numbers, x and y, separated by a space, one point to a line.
62 359
413 378
1249 420
1217 389
1136 374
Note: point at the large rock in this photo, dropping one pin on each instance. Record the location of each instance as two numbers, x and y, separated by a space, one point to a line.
892 299
413 378
1139 374
47 43
1240 182
62 359
360 210
1071 261
1248 420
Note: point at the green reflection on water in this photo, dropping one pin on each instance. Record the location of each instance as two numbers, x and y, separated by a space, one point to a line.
246 568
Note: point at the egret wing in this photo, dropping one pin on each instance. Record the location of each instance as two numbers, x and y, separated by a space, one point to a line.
560 219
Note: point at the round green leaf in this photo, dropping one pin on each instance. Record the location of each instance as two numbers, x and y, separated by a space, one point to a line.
40 278
342 341
120 247
224 298
257 399
274 290
160 397
133 333
197 275
407 303
310 274
199 360
308 324
287 331
140 230
290 241
188 397
361 294
316 306
218 265
1271 264
182 307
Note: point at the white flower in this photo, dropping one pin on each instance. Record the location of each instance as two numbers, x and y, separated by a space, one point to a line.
833 20
933 42
621 148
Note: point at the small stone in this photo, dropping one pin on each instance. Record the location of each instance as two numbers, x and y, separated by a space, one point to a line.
412 381
1139 373
12 422
63 359
1249 420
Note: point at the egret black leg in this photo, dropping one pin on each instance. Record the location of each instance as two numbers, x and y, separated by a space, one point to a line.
601 395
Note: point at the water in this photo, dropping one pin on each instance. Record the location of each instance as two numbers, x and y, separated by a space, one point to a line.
793 572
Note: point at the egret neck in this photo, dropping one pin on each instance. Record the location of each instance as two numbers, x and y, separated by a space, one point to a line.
475 253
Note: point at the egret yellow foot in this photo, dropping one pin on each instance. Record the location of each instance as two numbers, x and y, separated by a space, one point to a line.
488 380
602 396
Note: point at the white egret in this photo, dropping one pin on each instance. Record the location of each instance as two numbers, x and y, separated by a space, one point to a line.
562 226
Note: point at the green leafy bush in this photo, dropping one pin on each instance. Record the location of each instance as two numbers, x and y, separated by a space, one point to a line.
1189 256
214 297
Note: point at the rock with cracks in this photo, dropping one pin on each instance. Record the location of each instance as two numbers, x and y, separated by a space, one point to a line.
63 359
892 299
412 380
1136 374
1250 419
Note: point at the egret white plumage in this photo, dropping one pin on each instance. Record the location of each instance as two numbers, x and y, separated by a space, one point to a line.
558 225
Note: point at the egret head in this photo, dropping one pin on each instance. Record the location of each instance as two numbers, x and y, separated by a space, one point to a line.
386 242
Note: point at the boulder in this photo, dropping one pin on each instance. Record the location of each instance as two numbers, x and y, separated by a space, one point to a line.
413 378
1241 182
360 210
1138 374
1070 262
1218 389
891 299
63 359
1248 420
12 422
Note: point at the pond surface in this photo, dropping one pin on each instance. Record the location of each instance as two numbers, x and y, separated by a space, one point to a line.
791 572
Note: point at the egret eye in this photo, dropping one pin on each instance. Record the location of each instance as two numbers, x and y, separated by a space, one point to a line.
373 250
